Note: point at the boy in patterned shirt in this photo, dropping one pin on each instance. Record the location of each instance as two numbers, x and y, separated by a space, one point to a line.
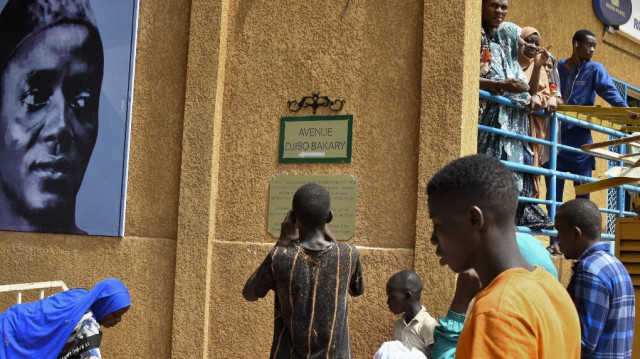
311 275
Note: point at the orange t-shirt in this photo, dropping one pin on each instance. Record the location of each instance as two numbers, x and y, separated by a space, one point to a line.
521 314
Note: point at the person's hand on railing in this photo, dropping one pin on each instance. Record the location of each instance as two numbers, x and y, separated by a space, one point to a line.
536 102
513 85
552 105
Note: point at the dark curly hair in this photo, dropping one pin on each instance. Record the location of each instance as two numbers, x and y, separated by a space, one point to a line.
581 35
480 179
311 205
584 214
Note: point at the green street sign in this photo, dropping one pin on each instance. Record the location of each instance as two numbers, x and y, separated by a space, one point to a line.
315 139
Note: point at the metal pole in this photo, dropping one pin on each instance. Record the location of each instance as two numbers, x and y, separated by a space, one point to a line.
623 150
553 162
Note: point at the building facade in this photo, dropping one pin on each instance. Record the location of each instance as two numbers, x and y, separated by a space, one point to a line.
212 81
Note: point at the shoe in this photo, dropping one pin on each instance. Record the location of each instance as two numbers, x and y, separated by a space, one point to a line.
547 225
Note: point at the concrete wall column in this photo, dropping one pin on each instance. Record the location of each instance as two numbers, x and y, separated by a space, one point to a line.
448 119
198 182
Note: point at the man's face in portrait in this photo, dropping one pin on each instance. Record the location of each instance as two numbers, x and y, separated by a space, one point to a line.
49 93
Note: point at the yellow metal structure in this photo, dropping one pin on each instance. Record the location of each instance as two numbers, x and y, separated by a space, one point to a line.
624 119
628 251
617 118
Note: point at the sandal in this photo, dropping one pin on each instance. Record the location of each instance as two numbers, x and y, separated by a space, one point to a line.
554 250
549 225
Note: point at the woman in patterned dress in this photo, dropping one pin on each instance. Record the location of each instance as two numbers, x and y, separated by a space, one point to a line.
505 50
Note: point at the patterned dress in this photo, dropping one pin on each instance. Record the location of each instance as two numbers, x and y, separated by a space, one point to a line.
504 64
82 341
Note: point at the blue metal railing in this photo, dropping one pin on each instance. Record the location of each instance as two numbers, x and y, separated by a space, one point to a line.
552 172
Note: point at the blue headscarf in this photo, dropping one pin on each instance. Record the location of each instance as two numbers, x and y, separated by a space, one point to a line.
40 329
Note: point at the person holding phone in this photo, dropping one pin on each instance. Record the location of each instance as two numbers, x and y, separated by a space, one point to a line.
312 275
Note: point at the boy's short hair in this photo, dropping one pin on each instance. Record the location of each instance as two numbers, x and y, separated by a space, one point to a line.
581 35
480 179
584 214
410 279
312 204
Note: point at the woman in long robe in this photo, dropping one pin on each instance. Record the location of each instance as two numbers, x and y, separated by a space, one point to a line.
532 60
64 325
505 49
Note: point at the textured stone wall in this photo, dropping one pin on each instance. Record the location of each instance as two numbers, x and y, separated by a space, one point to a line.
212 82
370 55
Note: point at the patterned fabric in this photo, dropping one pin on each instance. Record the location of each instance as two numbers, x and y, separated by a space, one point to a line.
504 64
603 294
485 62
86 327
311 299
530 214
485 53
22 18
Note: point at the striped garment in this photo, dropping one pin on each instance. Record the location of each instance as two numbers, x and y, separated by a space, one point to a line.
603 294
311 301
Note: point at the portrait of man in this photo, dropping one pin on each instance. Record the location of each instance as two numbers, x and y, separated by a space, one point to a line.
52 63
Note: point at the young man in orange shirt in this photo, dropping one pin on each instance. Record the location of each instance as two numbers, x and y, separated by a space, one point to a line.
521 311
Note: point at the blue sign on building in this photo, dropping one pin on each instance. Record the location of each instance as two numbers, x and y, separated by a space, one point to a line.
613 12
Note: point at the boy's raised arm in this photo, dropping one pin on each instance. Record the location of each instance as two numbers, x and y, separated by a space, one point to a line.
356 286
260 282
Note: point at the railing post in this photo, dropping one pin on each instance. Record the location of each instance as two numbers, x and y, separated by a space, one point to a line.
623 151
19 299
553 162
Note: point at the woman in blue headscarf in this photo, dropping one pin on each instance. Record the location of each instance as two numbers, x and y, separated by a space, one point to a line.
65 325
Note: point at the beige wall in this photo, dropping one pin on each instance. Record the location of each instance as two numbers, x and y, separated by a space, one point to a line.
372 58
212 82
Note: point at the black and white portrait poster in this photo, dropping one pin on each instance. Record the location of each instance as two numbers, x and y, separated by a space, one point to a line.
66 85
